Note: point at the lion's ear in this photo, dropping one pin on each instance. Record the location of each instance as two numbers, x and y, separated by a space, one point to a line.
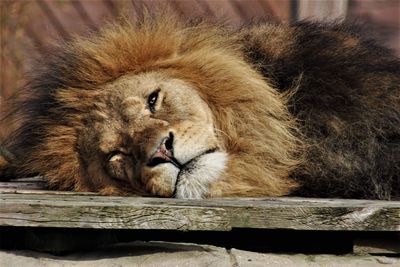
7 167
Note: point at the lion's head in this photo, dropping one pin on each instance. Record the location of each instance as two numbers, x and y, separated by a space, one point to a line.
157 108
151 131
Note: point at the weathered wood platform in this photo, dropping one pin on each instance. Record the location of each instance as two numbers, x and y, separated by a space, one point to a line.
27 203
32 217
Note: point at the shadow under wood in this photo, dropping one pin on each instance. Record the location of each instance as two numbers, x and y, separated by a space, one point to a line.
64 241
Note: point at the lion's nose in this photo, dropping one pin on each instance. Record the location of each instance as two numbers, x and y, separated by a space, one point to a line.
164 153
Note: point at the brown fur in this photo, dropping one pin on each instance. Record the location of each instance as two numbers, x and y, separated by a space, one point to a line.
81 89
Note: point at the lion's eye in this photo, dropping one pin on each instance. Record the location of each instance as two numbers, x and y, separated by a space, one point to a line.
152 100
115 156
116 165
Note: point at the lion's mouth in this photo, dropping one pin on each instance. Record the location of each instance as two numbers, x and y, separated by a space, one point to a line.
165 154
187 165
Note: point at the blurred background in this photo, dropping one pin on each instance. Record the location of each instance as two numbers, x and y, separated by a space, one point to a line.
28 26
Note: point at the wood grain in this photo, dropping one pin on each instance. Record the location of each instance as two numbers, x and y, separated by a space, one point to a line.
92 211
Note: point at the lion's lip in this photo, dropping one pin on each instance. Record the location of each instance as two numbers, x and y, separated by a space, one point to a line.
208 151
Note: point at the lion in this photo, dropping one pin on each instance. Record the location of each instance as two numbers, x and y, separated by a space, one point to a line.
169 108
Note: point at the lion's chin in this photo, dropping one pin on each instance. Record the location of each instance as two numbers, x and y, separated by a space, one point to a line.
188 181
195 177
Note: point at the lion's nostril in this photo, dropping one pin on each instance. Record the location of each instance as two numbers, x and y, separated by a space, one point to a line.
164 153
169 142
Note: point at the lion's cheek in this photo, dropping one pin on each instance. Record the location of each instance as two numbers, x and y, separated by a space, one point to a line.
160 180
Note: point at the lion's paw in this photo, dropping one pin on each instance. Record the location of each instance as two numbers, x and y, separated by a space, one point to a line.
160 180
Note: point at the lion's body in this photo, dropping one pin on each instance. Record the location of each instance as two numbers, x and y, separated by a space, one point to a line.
347 101
268 110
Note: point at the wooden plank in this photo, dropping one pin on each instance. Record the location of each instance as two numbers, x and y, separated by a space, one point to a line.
30 184
322 9
70 210
44 192
281 8
225 11
38 179
253 9
22 186
104 212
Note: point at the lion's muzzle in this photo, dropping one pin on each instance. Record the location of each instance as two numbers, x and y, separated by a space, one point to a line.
165 153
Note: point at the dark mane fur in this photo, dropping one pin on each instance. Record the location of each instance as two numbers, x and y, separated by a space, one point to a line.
347 101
